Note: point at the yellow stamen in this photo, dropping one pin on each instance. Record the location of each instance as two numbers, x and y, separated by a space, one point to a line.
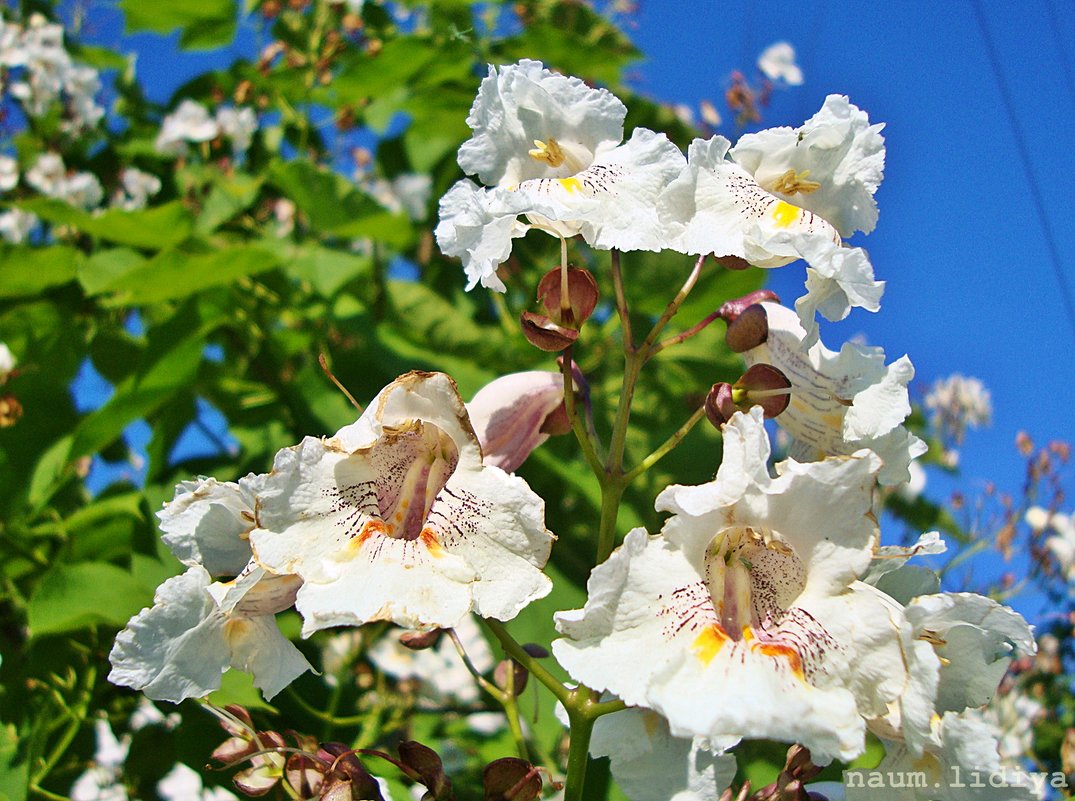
549 152
791 183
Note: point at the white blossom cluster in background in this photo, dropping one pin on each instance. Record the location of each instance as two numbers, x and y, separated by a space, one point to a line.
191 123
1061 543
41 72
957 403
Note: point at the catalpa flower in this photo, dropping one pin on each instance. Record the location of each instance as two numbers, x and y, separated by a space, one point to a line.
396 518
744 617
831 165
777 63
840 402
197 629
517 412
549 148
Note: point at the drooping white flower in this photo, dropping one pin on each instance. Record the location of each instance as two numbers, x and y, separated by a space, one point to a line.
16 225
190 122
196 630
777 63
510 415
743 618
650 764
395 518
208 523
840 402
830 165
9 173
1062 543
549 148
238 125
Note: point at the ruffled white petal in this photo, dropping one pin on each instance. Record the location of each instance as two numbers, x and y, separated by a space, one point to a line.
208 521
524 103
838 149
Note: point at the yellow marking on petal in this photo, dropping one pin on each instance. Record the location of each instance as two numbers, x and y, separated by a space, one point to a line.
785 652
428 538
784 214
791 183
235 627
748 633
548 152
571 185
835 420
707 644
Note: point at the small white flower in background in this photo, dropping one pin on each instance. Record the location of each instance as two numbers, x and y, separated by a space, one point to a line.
957 403
549 146
777 63
82 189
830 165
1013 715
442 675
511 415
182 783
395 518
238 125
197 629
190 122
911 489
709 113
1061 543
136 188
50 177
840 402
408 193
103 781
9 173
283 211
744 617
7 362
16 225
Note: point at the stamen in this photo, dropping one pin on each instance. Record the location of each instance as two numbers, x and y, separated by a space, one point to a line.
549 152
791 183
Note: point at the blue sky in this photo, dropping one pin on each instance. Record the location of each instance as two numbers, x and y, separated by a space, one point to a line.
971 285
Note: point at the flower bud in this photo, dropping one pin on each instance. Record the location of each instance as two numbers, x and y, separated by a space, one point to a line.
519 677
582 294
748 329
10 410
543 333
762 385
428 767
718 404
731 309
511 779
419 640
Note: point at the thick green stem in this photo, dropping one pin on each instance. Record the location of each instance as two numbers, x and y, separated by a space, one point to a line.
578 755
536 669
673 307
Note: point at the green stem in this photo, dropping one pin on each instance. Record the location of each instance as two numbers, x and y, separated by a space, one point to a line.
583 429
668 445
578 755
536 669
673 307
76 715
621 303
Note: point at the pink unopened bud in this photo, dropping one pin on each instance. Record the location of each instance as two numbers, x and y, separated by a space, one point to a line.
582 295
515 413
543 333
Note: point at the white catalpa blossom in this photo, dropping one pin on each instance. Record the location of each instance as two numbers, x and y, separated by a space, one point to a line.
396 518
9 173
190 122
197 629
650 764
136 188
514 414
831 165
840 402
957 403
16 225
548 146
744 617
50 177
961 765
1062 543
1013 715
182 783
238 125
7 362
103 780
777 63
408 193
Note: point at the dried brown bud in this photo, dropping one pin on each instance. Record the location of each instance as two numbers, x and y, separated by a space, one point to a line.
427 766
543 333
732 262
536 651
748 329
582 294
305 775
519 676
10 410
511 779
419 640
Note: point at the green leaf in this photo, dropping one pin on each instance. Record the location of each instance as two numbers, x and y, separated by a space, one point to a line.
153 228
26 271
14 769
327 270
106 268
176 274
72 597
206 23
228 196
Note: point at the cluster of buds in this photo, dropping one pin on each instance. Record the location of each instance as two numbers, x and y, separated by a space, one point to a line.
333 771
568 296
790 785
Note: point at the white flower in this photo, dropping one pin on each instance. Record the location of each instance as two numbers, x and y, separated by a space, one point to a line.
208 523
1013 715
7 362
196 630
1062 543
549 147
182 783
650 764
395 518
16 225
840 402
50 177
957 403
137 188
82 189
831 165
743 618
9 173
510 415
407 193
777 63
238 125
190 122
103 781
911 489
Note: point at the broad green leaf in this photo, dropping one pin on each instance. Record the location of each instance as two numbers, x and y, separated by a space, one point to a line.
326 270
176 274
49 471
152 228
14 768
26 271
206 23
107 268
399 62
75 596
228 196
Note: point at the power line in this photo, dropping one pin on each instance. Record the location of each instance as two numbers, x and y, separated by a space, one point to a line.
1024 157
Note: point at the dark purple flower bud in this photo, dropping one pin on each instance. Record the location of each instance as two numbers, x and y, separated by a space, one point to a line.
748 329
582 295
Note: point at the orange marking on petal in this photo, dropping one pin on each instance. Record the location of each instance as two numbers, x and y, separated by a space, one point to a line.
371 529
795 662
428 538
709 642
